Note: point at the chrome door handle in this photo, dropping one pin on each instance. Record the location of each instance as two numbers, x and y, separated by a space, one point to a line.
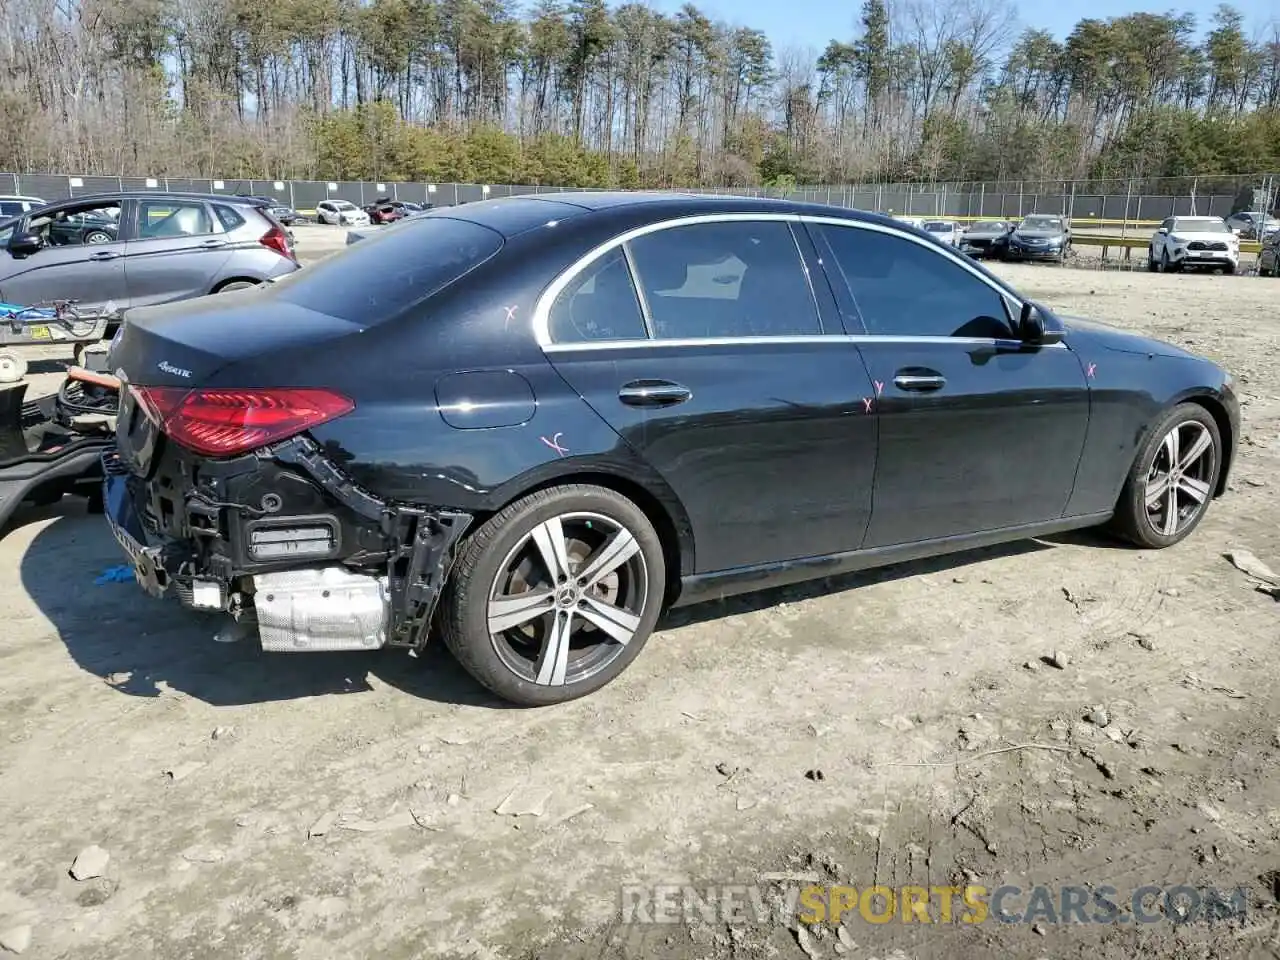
919 383
214 243
653 393
104 255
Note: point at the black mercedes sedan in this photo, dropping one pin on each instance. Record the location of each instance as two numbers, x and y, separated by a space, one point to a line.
530 425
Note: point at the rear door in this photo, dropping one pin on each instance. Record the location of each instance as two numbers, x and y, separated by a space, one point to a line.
176 251
702 343
978 430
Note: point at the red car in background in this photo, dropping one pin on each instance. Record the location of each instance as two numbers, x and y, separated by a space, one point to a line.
387 210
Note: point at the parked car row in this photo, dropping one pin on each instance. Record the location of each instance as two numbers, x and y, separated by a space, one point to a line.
1038 236
109 252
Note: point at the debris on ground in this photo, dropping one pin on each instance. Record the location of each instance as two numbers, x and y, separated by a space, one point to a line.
203 855
816 775
1104 768
1098 715
1209 810
521 802
122 573
396 821
16 939
90 862
183 770
1144 640
898 723
1251 566
323 825
1059 659
576 811
222 733
806 941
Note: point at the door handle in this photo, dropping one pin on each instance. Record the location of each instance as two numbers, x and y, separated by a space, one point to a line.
653 393
214 243
920 382
104 255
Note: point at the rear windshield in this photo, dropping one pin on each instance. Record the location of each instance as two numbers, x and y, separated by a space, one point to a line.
375 278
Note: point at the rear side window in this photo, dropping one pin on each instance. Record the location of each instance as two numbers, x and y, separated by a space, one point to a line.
375 279
229 219
599 304
10 208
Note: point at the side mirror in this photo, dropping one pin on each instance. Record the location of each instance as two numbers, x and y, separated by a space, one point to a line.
1037 326
1163 230
24 244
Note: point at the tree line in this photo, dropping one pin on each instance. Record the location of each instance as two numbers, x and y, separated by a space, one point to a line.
577 92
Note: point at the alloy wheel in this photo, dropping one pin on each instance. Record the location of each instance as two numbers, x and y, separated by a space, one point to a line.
568 598
97 236
1178 483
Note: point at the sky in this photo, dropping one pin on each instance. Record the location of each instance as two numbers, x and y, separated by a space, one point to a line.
811 23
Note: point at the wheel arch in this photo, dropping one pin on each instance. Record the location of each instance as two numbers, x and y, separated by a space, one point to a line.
223 284
662 510
1219 413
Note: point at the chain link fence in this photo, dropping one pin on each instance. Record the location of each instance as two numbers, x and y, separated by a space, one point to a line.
1109 203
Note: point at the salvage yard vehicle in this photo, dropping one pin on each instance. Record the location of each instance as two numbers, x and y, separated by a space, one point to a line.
561 415
342 213
1039 237
947 231
986 238
1181 242
113 251
1253 224
387 210
1269 257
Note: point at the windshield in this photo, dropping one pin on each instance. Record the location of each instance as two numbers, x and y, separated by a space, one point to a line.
1042 223
343 205
394 269
1196 225
987 226
939 226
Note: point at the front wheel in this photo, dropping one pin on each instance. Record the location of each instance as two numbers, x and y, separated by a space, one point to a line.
1172 479
1152 266
555 596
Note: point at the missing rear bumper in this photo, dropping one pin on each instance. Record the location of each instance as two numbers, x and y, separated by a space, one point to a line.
345 598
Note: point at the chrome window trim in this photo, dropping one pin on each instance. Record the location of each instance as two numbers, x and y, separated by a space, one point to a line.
541 319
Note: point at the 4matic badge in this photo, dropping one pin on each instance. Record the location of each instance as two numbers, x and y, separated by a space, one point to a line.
166 367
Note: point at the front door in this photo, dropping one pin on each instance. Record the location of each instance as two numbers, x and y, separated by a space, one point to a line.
977 430
82 259
176 253
721 375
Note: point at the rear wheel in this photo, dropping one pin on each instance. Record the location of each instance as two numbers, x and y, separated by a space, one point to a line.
555 596
235 285
98 236
1152 265
1172 479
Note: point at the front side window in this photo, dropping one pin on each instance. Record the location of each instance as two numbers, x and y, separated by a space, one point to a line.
905 289
600 303
70 226
728 279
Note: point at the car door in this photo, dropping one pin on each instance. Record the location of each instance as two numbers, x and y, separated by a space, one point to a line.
92 275
977 431
176 251
703 344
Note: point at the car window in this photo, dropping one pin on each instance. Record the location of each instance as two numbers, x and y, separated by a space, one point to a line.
599 304
732 279
172 218
91 224
904 288
11 208
228 217
396 269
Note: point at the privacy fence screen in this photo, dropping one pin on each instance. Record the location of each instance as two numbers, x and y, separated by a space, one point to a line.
1115 201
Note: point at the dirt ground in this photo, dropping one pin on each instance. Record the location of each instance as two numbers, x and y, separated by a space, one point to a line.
258 806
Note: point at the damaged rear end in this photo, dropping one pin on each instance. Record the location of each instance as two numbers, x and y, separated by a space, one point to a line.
222 499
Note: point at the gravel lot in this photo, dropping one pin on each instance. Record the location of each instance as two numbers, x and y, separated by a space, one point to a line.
767 734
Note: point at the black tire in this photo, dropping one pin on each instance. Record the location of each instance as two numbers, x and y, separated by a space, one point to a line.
484 562
1133 521
1229 269
1152 266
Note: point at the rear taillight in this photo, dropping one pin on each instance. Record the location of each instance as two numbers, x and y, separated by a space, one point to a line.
276 239
223 423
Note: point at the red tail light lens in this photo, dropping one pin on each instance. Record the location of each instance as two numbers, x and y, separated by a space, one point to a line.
276 239
223 423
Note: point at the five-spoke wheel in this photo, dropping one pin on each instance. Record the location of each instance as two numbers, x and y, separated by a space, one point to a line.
553 598
1172 480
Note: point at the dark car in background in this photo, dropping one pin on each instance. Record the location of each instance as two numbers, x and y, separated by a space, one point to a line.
529 425
112 251
986 238
1039 236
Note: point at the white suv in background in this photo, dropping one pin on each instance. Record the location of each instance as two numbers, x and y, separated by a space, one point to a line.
1194 242
342 213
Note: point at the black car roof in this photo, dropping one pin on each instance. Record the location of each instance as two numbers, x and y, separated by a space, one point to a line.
513 215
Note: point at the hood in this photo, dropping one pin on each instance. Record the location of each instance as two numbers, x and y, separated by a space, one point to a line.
1114 338
1039 234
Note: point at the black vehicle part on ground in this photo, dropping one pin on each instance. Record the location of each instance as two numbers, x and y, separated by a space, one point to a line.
44 454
